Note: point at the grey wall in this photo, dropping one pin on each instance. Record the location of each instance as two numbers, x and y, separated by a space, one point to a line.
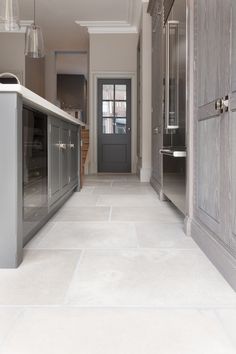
12 54
35 75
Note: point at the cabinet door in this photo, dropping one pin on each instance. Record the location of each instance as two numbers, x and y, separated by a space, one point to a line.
65 155
213 62
54 165
73 154
157 102
232 140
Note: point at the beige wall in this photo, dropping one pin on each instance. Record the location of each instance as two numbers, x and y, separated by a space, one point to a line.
12 54
113 52
114 56
35 75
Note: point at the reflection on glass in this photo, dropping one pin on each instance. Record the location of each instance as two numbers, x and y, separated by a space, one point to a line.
107 126
120 126
120 109
108 109
35 175
120 92
172 109
108 92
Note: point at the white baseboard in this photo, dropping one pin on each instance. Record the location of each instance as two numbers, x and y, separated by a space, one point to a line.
145 174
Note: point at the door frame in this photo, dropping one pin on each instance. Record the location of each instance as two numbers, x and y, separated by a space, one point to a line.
93 104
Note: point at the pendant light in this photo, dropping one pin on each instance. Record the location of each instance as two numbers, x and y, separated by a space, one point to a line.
9 15
34 40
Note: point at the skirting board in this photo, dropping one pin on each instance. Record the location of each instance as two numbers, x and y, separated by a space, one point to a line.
222 259
158 188
145 174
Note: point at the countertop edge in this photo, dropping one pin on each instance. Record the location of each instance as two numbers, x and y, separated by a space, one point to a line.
39 102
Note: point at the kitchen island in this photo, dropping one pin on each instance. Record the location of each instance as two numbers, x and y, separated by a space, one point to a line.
39 166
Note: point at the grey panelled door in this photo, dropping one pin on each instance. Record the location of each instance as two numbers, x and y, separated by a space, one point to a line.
65 171
114 125
232 133
157 99
213 63
54 141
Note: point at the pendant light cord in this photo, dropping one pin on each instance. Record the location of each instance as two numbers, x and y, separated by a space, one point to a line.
34 12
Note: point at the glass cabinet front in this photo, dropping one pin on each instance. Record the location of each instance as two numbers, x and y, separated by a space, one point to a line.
35 171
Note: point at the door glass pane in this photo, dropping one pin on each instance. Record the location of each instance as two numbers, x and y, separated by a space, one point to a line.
108 109
120 109
108 92
120 127
120 92
107 126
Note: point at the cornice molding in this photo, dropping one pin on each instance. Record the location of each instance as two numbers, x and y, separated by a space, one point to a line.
131 25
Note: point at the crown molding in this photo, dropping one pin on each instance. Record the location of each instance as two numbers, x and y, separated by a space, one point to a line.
112 30
131 25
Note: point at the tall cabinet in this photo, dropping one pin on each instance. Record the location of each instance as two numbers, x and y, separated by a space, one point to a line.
156 11
214 215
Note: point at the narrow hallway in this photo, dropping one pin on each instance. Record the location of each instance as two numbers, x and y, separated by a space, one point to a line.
113 272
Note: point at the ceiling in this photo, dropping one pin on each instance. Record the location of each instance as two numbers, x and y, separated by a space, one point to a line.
58 19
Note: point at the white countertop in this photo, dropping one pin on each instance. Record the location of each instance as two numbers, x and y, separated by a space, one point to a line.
38 102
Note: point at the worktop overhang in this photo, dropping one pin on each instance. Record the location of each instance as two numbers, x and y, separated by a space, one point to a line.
35 101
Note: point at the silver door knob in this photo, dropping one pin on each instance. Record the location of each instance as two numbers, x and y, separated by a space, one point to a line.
156 130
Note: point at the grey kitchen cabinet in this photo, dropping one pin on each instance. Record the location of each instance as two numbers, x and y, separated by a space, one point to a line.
213 21
214 212
74 148
231 143
63 158
65 155
156 11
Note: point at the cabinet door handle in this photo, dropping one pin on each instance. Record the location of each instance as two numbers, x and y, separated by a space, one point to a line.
62 146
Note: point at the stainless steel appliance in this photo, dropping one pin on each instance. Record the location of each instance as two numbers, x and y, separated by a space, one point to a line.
174 139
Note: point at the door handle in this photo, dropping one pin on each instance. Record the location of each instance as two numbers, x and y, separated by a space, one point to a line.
156 130
62 146
72 146
222 104
219 105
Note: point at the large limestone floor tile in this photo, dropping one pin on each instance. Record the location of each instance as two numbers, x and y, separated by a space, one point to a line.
163 235
135 189
82 200
145 277
43 278
8 317
146 214
228 321
117 331
99 183
82 214
80 235
128 200
33 243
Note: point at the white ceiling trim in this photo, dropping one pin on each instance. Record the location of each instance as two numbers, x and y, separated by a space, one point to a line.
113 30
102 23
131 25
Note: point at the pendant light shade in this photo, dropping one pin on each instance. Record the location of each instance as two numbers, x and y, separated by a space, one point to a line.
34 42
9 15
34 47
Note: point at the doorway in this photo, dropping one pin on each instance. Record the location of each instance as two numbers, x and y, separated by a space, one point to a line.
114 125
